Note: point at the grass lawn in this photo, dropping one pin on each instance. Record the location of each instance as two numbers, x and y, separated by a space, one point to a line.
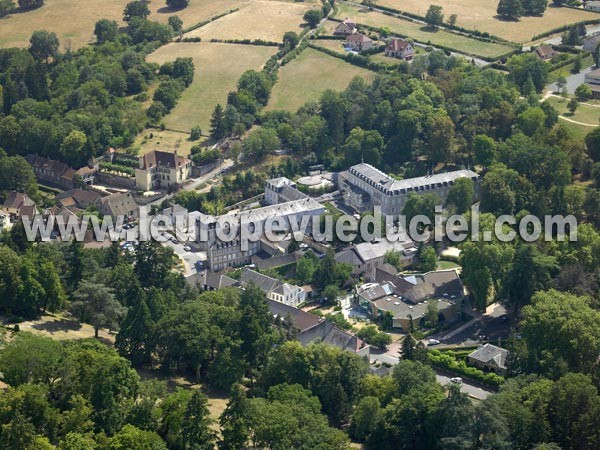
165 140
63 328
267 20
585 114
307 76
443 264
481 15
337 45
218 69
419 33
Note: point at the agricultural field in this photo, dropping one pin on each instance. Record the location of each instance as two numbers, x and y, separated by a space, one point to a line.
421 34
218 68
481 15
73 20
196 11
267 20
74 32
307 76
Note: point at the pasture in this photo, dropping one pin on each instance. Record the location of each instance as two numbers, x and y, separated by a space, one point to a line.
481 15
218 68
196 12
73 20
306 77
267 20
421 34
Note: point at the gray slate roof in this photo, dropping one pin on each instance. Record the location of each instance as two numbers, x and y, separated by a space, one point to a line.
491 355
385 182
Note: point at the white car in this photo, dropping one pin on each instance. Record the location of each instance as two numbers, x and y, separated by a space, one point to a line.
456 380
187 248
433 342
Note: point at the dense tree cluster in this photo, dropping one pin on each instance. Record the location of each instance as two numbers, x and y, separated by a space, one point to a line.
73 106
514 9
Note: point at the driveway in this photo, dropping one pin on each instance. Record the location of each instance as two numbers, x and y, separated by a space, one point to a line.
466 387
189 258
573 81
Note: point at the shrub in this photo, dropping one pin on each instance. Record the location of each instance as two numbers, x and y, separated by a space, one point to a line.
448 361
195 133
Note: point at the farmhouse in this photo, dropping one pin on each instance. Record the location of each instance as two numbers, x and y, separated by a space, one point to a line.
545 52
364 187
161 170
399 48
345 28
592 79
17 204
53 172
79 199
489 357
119 204
285 293
359 42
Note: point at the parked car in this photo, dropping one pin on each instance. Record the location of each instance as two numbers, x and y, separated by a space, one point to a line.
456 380
187 248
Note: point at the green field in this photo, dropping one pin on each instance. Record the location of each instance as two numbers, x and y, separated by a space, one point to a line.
585 114
307 76
421 34
218 68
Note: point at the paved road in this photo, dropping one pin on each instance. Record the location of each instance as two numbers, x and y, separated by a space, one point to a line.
189 258
573 81
466 387
557 40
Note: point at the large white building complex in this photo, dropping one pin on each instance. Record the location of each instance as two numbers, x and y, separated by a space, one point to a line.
364 187
288 209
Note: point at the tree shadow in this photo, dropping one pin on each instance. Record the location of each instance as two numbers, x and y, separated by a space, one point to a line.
170 9
429 29
505 19
57 326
